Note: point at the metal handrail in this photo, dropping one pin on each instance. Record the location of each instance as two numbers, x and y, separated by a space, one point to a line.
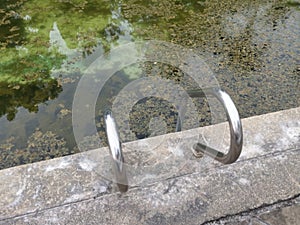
116 152
199 149
235 125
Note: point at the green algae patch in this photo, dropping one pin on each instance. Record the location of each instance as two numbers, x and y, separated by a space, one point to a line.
223 27
25 35
36 38
79 22
293 4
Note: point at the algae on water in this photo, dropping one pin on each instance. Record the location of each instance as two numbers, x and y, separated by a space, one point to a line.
27 54
25 34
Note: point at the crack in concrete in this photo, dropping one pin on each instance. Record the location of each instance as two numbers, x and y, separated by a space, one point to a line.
260 210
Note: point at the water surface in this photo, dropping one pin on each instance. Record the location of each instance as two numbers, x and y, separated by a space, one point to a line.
252 47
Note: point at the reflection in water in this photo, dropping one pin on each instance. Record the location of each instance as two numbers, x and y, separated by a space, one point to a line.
25 79
27 96
34 44
118 29
42 58
251 46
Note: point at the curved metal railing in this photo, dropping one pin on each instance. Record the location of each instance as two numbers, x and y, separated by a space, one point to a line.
116 152
235 125
199 149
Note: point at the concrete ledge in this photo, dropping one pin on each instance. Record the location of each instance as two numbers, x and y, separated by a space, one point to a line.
282 212
191 199
173 189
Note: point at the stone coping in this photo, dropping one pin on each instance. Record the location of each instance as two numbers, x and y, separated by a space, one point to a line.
168 185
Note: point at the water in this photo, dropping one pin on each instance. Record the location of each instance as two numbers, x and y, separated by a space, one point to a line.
252 47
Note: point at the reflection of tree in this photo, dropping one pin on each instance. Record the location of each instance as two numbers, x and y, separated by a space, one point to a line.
118 28
25 66
27 96
79 22
29 52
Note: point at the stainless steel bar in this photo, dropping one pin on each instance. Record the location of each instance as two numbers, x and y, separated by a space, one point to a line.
116 152
235 125
199 149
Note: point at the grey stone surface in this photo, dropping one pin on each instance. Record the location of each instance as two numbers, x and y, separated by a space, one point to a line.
288 215
169 186
190 199
280 213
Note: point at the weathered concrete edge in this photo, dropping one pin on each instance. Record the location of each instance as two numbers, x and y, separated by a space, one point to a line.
190 199
71 179
283 211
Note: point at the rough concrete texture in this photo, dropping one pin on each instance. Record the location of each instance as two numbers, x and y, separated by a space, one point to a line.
175 189
282 212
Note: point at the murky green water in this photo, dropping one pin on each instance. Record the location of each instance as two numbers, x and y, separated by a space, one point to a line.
253 48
